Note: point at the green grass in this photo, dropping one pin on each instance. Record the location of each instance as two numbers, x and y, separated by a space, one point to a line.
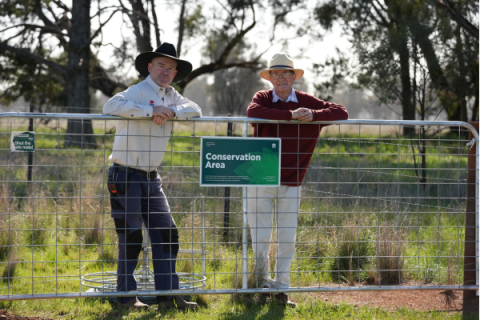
217 307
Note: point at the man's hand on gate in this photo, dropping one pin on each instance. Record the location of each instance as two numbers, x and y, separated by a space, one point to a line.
161 114
302 114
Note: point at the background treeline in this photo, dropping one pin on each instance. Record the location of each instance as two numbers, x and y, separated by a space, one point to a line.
419 58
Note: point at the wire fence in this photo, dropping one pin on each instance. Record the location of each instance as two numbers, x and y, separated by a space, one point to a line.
383 207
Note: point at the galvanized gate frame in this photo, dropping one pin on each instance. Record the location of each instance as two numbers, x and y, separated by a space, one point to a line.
198 287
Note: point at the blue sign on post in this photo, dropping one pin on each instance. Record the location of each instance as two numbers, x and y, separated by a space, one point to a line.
236 162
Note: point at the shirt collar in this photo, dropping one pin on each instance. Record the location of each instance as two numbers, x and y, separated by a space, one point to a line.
291 98
155 86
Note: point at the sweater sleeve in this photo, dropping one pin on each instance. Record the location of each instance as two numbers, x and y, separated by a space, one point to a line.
260 107
326 111
330 112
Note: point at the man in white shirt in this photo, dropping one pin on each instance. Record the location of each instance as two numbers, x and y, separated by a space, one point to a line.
136 194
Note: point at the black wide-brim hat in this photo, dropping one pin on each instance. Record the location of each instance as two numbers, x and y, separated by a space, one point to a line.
165 50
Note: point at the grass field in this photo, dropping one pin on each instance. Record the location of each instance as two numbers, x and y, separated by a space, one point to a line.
217 307
365 219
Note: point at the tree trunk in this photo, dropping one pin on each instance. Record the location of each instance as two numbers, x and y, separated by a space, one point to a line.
79 132
474 73
400 45
447 96
141 26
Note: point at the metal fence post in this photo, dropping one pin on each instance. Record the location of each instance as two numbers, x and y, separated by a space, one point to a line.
471 223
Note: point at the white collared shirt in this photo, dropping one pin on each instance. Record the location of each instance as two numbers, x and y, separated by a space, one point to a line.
138 143
291 97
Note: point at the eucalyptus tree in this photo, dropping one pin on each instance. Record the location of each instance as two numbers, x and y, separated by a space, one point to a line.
46 54
386 35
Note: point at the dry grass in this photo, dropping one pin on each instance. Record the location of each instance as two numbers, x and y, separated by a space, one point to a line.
390 248
450 295
93 229
352 249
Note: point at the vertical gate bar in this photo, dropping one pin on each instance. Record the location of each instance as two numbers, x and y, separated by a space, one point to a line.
30 154
226 211
57 197
460 153
377 240
32 195
337 221
356 226
80 210
204 267
316 194
244 227
104 183
397 227
418 223
9 211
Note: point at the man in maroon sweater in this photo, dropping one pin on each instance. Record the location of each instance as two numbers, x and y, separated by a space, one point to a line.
298 144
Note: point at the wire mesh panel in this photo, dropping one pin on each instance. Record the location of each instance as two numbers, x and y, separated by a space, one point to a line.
382 206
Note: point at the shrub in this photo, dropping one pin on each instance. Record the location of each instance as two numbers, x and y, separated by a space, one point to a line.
352 250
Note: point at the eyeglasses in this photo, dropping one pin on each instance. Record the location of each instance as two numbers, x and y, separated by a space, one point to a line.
286 75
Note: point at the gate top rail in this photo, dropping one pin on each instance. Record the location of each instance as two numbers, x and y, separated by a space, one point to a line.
245 120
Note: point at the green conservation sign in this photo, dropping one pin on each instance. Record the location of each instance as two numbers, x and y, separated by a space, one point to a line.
239 162
22 141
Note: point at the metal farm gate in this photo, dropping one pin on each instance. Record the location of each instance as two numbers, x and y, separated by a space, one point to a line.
383 207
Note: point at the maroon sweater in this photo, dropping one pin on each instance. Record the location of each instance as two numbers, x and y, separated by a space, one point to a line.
298 140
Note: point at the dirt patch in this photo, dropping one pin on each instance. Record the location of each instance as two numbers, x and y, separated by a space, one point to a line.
4 315
421 300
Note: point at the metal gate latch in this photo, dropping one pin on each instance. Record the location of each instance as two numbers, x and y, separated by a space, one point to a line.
471 144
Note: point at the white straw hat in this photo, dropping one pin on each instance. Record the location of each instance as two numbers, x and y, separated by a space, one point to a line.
281 61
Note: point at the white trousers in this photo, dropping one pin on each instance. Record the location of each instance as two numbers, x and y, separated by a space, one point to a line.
260 204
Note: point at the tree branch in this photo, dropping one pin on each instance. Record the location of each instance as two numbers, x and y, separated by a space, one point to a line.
102 25
41 15
447 6
214 66
223 57
62 5
25 53
45 29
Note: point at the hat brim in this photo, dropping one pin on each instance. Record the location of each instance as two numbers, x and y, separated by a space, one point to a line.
265 74
141 64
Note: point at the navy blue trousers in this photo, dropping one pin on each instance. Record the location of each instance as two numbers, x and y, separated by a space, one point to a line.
138 201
